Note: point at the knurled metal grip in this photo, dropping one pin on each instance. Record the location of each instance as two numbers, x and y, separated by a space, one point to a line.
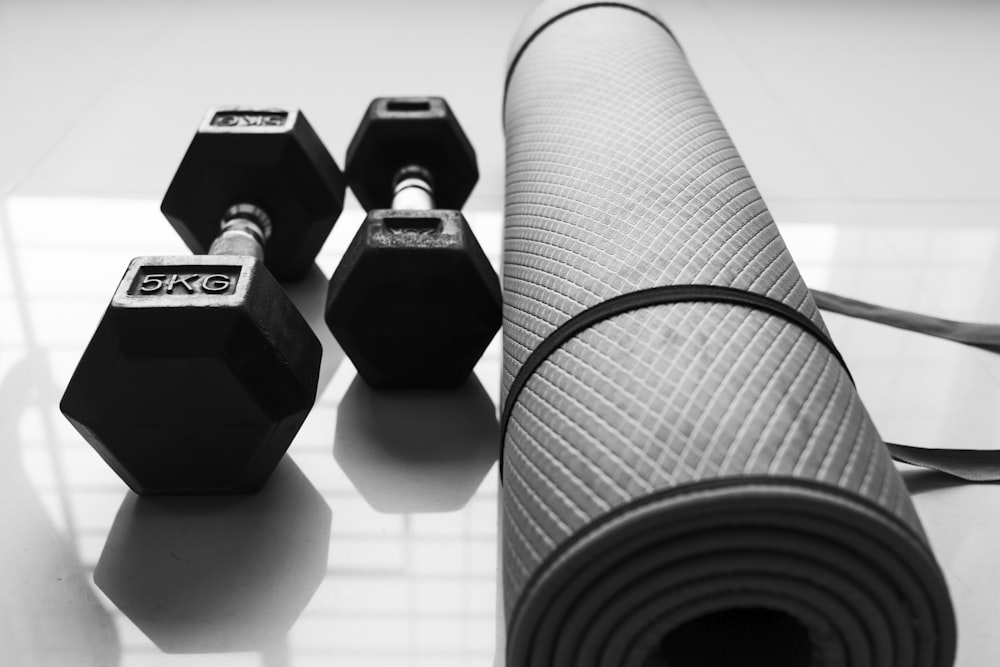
244 230
686 481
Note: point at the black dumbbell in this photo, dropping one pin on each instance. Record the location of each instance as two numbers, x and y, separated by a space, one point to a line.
202 370
414 301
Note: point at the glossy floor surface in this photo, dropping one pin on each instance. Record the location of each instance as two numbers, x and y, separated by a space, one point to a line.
870 127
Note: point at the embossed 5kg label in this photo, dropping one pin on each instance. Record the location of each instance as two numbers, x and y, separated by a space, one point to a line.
250 118
184 280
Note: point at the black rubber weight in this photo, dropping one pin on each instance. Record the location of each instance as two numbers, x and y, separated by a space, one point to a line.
680 468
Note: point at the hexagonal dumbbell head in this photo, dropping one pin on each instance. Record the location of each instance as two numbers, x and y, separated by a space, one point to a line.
399 132
271 158
414 302
198 377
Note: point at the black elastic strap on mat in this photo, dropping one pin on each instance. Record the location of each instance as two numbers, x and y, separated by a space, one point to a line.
974 465
974 334
653 296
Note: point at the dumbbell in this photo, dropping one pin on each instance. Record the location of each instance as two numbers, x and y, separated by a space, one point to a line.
202 370
414 301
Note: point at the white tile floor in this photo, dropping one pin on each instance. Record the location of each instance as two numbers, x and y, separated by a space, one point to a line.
871 128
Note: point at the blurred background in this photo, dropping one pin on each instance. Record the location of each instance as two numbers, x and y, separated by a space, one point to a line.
870 128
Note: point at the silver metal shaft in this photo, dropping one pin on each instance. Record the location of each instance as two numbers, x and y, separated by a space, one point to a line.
413 190
244 231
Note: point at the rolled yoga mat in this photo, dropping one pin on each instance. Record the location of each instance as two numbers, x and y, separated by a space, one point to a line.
689 477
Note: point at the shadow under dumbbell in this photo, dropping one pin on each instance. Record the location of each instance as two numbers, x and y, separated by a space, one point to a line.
218 573
416 451
309 296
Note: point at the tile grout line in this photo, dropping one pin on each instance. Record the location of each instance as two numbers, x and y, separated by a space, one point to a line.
45 384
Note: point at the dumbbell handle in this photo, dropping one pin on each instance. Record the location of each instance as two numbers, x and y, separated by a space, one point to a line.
244 230
412 190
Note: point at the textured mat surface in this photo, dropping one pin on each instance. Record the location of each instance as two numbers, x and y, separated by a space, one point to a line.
683 472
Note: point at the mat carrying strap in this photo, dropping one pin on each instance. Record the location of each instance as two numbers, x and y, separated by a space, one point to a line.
974 465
